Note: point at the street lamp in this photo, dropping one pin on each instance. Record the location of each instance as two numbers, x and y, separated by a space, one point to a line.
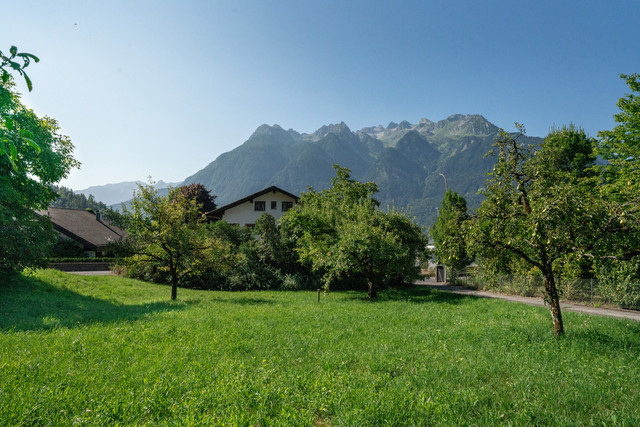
445 182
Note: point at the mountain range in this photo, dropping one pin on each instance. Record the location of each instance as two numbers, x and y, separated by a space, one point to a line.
412 164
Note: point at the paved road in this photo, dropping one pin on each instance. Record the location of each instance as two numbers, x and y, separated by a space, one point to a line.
620 313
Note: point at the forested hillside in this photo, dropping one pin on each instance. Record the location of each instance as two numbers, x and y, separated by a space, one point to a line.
70 200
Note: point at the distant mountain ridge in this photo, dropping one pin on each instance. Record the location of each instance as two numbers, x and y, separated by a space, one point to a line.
111 194
406 160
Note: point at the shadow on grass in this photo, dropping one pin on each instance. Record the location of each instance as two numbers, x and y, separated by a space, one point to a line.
612 340
30 304
416 295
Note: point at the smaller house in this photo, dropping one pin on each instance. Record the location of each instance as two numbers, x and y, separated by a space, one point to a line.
88 230
246 211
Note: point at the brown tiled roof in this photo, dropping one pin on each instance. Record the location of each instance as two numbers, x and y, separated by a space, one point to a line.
83 226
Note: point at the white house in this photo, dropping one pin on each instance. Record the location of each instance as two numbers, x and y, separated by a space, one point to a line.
246 211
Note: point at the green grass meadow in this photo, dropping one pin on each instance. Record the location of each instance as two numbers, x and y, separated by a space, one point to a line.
105 350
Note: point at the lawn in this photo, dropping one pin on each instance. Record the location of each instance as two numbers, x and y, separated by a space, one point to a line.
107 351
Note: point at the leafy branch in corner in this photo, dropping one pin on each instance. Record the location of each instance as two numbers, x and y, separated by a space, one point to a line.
17 61
11 135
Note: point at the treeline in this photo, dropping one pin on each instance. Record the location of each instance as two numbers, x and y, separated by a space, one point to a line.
551 210
66 198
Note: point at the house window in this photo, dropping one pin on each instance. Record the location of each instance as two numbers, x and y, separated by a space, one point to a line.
286 206
274 205
259 206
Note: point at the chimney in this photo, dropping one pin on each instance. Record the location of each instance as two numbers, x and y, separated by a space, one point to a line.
99 216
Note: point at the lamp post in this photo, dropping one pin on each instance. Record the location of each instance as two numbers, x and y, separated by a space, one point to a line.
445 182
441 270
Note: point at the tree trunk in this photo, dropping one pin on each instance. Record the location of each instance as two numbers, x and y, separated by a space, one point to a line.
174 282
554 302
174 289
373 293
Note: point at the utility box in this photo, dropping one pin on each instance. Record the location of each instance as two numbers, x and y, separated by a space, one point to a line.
441 274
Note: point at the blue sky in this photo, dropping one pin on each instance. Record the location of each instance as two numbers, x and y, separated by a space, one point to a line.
161 88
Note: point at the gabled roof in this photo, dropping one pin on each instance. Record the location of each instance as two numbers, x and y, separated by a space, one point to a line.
83 226
272 189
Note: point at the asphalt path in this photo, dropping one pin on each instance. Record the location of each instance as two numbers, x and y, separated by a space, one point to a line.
568 306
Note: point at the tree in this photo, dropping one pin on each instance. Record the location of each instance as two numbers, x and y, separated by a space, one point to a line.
269 245
617 255
539 205
38 157
201 195
169 231
447 232
13 135
620 147
341 233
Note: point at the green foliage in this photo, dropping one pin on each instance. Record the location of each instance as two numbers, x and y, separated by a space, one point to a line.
269 242
167 234
32 156
66 198
32 165
620 147
341 234
14 135
618 251
16 62
202 196
257 259
233 234
67 248
619 281
620 177
244 262
539 206
113 351
448 234
25 241
245 270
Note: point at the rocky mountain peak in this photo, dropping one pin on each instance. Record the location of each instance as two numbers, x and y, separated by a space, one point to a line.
274 130
338 129
461 124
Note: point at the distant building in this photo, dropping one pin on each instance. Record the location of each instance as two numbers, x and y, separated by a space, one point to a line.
246 211
88 230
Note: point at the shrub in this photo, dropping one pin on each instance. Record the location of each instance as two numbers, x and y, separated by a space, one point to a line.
619 281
